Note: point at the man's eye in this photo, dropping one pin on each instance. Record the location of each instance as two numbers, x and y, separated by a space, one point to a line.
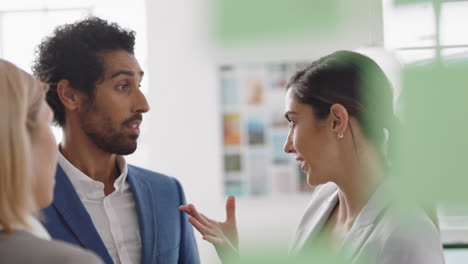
122 86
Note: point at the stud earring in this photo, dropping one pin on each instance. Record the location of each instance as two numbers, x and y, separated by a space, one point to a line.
340 136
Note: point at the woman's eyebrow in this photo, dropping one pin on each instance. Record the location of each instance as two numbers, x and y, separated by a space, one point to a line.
288 113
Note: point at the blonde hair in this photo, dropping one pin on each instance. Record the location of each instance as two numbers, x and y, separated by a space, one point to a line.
20 99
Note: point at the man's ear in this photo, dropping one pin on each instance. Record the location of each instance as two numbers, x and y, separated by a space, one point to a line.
70 97
338 120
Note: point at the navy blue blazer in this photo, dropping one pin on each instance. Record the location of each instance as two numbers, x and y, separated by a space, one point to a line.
166 235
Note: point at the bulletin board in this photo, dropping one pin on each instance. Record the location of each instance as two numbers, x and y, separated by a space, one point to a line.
255 130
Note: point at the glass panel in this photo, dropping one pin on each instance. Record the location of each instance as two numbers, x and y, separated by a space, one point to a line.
453 217
456 255
411 25
455 53
453 23
415 56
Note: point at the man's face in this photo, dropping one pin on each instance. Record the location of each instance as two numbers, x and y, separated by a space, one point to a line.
112 118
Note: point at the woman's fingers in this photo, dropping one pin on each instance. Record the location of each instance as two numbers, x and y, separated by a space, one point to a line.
185 209
204 230
197 215
212 239
230 208
192 211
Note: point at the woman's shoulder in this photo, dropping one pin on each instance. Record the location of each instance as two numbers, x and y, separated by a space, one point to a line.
23 247
411 236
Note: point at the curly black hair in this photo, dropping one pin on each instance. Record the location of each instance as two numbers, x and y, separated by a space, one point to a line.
72 53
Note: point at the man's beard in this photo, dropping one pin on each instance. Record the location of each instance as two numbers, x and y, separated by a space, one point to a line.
97 125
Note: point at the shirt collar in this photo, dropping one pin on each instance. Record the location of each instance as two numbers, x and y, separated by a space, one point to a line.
85 185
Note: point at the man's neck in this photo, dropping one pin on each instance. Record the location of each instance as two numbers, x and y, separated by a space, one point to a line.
92 161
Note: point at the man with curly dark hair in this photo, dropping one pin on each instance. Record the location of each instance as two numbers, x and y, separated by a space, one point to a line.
123 213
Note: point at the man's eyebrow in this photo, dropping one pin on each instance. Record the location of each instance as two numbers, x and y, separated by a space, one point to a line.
128 73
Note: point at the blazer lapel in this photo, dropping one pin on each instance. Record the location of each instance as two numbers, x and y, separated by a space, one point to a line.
355 240
69 206
313 229
146 215
366 222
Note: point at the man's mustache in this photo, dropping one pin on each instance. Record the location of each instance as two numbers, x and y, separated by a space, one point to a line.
133 118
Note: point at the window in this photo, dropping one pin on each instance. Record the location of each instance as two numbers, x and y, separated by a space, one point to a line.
439 33
433 31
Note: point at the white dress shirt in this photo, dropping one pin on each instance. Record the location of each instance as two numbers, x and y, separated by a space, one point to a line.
114 215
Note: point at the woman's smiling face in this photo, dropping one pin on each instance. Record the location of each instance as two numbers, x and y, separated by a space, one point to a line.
311 140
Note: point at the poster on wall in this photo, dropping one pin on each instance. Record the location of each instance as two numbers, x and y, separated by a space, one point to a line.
279 75
258 175
231 129
255 130
232 162
229 86
253 78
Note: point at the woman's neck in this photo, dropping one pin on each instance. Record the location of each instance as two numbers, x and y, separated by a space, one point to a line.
357 184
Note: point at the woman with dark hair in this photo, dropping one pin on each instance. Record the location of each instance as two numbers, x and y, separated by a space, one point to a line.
340 110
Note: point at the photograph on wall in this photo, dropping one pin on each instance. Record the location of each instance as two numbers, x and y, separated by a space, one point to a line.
232 162
257 171
229 86
234 187
278 75
279 155
254 87
231 129
255 130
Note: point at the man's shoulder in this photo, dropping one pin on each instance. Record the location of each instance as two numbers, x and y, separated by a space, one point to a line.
151 176
165 188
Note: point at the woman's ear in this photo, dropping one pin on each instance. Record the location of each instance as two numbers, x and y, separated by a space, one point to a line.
338 120
70 97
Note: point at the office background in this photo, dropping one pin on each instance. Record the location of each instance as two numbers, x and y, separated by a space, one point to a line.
184 45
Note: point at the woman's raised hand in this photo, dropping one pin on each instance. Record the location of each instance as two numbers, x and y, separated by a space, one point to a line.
223 235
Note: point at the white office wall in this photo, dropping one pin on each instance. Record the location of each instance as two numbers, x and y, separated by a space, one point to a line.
183 129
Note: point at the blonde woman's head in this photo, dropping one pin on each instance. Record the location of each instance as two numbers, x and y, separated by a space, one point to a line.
28 152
